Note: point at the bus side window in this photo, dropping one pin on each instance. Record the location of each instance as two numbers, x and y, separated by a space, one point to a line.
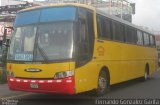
146 39
128 37
104 27
99 27
118 31
131 35
82 40
82 31
140 37
134 36
152 42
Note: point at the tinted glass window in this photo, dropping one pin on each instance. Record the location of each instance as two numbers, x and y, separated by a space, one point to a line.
55 41
45 15
131 35
128 37
152 41
108 29
22 43
118 31
104 27
58 14
146 39
84 37
25 18
90 26
140 37
134 36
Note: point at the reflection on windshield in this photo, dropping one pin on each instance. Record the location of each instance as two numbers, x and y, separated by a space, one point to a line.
22 44
54 42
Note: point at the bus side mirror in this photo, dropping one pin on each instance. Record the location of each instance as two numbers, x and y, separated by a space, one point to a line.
5 42
1 43
4 37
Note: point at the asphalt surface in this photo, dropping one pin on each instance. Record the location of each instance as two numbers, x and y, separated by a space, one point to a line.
135 89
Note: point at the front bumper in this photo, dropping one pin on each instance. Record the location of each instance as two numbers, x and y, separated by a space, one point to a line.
60 86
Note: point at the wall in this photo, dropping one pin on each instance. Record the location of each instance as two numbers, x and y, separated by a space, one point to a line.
9 2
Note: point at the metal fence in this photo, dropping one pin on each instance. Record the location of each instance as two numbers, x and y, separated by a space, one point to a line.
119 8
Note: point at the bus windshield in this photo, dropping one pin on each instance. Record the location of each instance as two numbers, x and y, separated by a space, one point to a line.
53 41
43 34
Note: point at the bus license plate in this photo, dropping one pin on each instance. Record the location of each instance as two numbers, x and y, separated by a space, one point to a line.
34 86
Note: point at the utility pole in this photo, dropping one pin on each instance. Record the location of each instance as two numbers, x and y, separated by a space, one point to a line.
121 9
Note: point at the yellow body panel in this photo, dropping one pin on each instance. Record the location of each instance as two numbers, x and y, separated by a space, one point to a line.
124 62
48 70
60 4
86 77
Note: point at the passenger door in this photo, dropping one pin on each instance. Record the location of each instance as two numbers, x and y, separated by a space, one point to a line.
84 71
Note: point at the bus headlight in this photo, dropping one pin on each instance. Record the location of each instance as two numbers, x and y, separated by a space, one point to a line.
64 74
10 73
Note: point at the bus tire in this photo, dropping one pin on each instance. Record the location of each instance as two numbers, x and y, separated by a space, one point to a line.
146 73
103 83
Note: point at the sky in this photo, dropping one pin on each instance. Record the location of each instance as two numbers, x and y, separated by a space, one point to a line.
147 14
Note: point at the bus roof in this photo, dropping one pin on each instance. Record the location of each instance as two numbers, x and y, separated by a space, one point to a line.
56 5
91 8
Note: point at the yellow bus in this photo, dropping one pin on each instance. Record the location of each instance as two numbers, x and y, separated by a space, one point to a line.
73 48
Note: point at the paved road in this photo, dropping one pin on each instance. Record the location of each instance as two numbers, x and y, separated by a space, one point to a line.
133 89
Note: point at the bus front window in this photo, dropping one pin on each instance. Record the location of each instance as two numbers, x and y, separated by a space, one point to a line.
47 41
44 34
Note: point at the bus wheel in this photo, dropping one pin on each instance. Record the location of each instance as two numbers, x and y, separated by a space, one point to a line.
146 74
103 83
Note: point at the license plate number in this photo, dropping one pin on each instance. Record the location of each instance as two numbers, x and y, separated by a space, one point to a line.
34 86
